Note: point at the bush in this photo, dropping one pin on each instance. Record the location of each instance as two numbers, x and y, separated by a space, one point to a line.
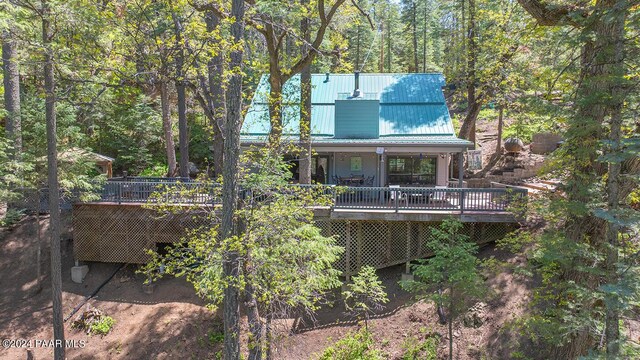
157 170
415 349
103 326
354 346
11 217
93 321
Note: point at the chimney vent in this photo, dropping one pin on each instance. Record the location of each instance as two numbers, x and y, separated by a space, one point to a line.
326 79
356 88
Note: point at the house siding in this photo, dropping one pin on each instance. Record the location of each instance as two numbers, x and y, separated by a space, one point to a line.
369 165
357 119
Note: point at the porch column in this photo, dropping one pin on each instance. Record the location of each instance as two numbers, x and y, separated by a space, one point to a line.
451 170
460 168
381 174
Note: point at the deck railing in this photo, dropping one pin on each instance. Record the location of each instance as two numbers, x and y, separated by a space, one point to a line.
365 198
190 193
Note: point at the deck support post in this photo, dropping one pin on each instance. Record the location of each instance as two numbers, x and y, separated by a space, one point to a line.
347 253
407 275
460 178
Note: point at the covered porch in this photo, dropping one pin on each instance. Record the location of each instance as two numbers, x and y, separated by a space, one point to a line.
380 166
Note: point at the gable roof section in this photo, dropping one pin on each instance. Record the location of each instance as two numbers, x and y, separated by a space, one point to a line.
411 105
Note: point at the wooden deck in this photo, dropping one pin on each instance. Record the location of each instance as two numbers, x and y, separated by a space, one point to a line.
378 226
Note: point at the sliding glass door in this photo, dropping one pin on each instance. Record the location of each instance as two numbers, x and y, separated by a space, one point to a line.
411 170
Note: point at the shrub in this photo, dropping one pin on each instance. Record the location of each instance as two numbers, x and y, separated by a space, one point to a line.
415 349
354 346
93 321
102 326
11 217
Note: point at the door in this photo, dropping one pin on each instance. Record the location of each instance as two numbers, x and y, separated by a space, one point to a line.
320 168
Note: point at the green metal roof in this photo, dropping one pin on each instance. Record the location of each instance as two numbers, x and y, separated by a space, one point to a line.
441 140
411 105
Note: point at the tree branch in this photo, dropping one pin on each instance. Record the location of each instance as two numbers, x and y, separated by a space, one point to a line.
325 19
365 14
553 14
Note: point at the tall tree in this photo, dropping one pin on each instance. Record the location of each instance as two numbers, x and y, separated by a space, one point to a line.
170 147
229 226
183 132
468 128
305 103
54 192
272 23
597 117
215 67
11 92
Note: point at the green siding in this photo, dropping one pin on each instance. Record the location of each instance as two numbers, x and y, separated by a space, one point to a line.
357 119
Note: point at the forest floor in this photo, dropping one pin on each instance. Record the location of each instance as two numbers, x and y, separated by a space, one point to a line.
173 322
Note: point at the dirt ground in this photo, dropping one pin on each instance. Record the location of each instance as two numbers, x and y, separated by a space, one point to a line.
172 323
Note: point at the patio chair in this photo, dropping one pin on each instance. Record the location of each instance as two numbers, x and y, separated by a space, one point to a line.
402 197
369 181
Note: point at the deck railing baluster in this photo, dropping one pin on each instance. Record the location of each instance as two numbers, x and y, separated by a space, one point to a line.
394 199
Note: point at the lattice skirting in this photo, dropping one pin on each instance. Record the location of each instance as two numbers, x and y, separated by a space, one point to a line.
386 243
123 233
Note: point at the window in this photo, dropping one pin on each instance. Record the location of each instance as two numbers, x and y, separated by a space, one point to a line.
411 170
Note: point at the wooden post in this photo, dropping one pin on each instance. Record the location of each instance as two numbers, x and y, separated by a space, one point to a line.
460 177
460 168
389 242
408 264
359 242
347 254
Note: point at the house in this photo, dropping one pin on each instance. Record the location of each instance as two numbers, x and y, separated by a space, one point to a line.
368 129
388 136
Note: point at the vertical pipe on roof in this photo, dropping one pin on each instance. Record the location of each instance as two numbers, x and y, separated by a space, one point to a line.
356 87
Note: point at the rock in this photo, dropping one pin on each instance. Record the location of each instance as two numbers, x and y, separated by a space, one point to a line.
474 317
414 318
193 170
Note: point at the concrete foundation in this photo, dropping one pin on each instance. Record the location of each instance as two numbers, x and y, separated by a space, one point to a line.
407 277
148 288
78 273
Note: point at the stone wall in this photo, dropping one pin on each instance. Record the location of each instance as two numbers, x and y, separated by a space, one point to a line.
544 143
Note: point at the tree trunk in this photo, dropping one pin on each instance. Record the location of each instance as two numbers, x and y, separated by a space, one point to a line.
467 129
54 195
414 23
216 88
228 227
268 333
38 246
255 341
168 130
601 71
450 325
275 107
616 42
183 131
389 45
500 124
12 93
305 107
424 39
473 108
381 65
